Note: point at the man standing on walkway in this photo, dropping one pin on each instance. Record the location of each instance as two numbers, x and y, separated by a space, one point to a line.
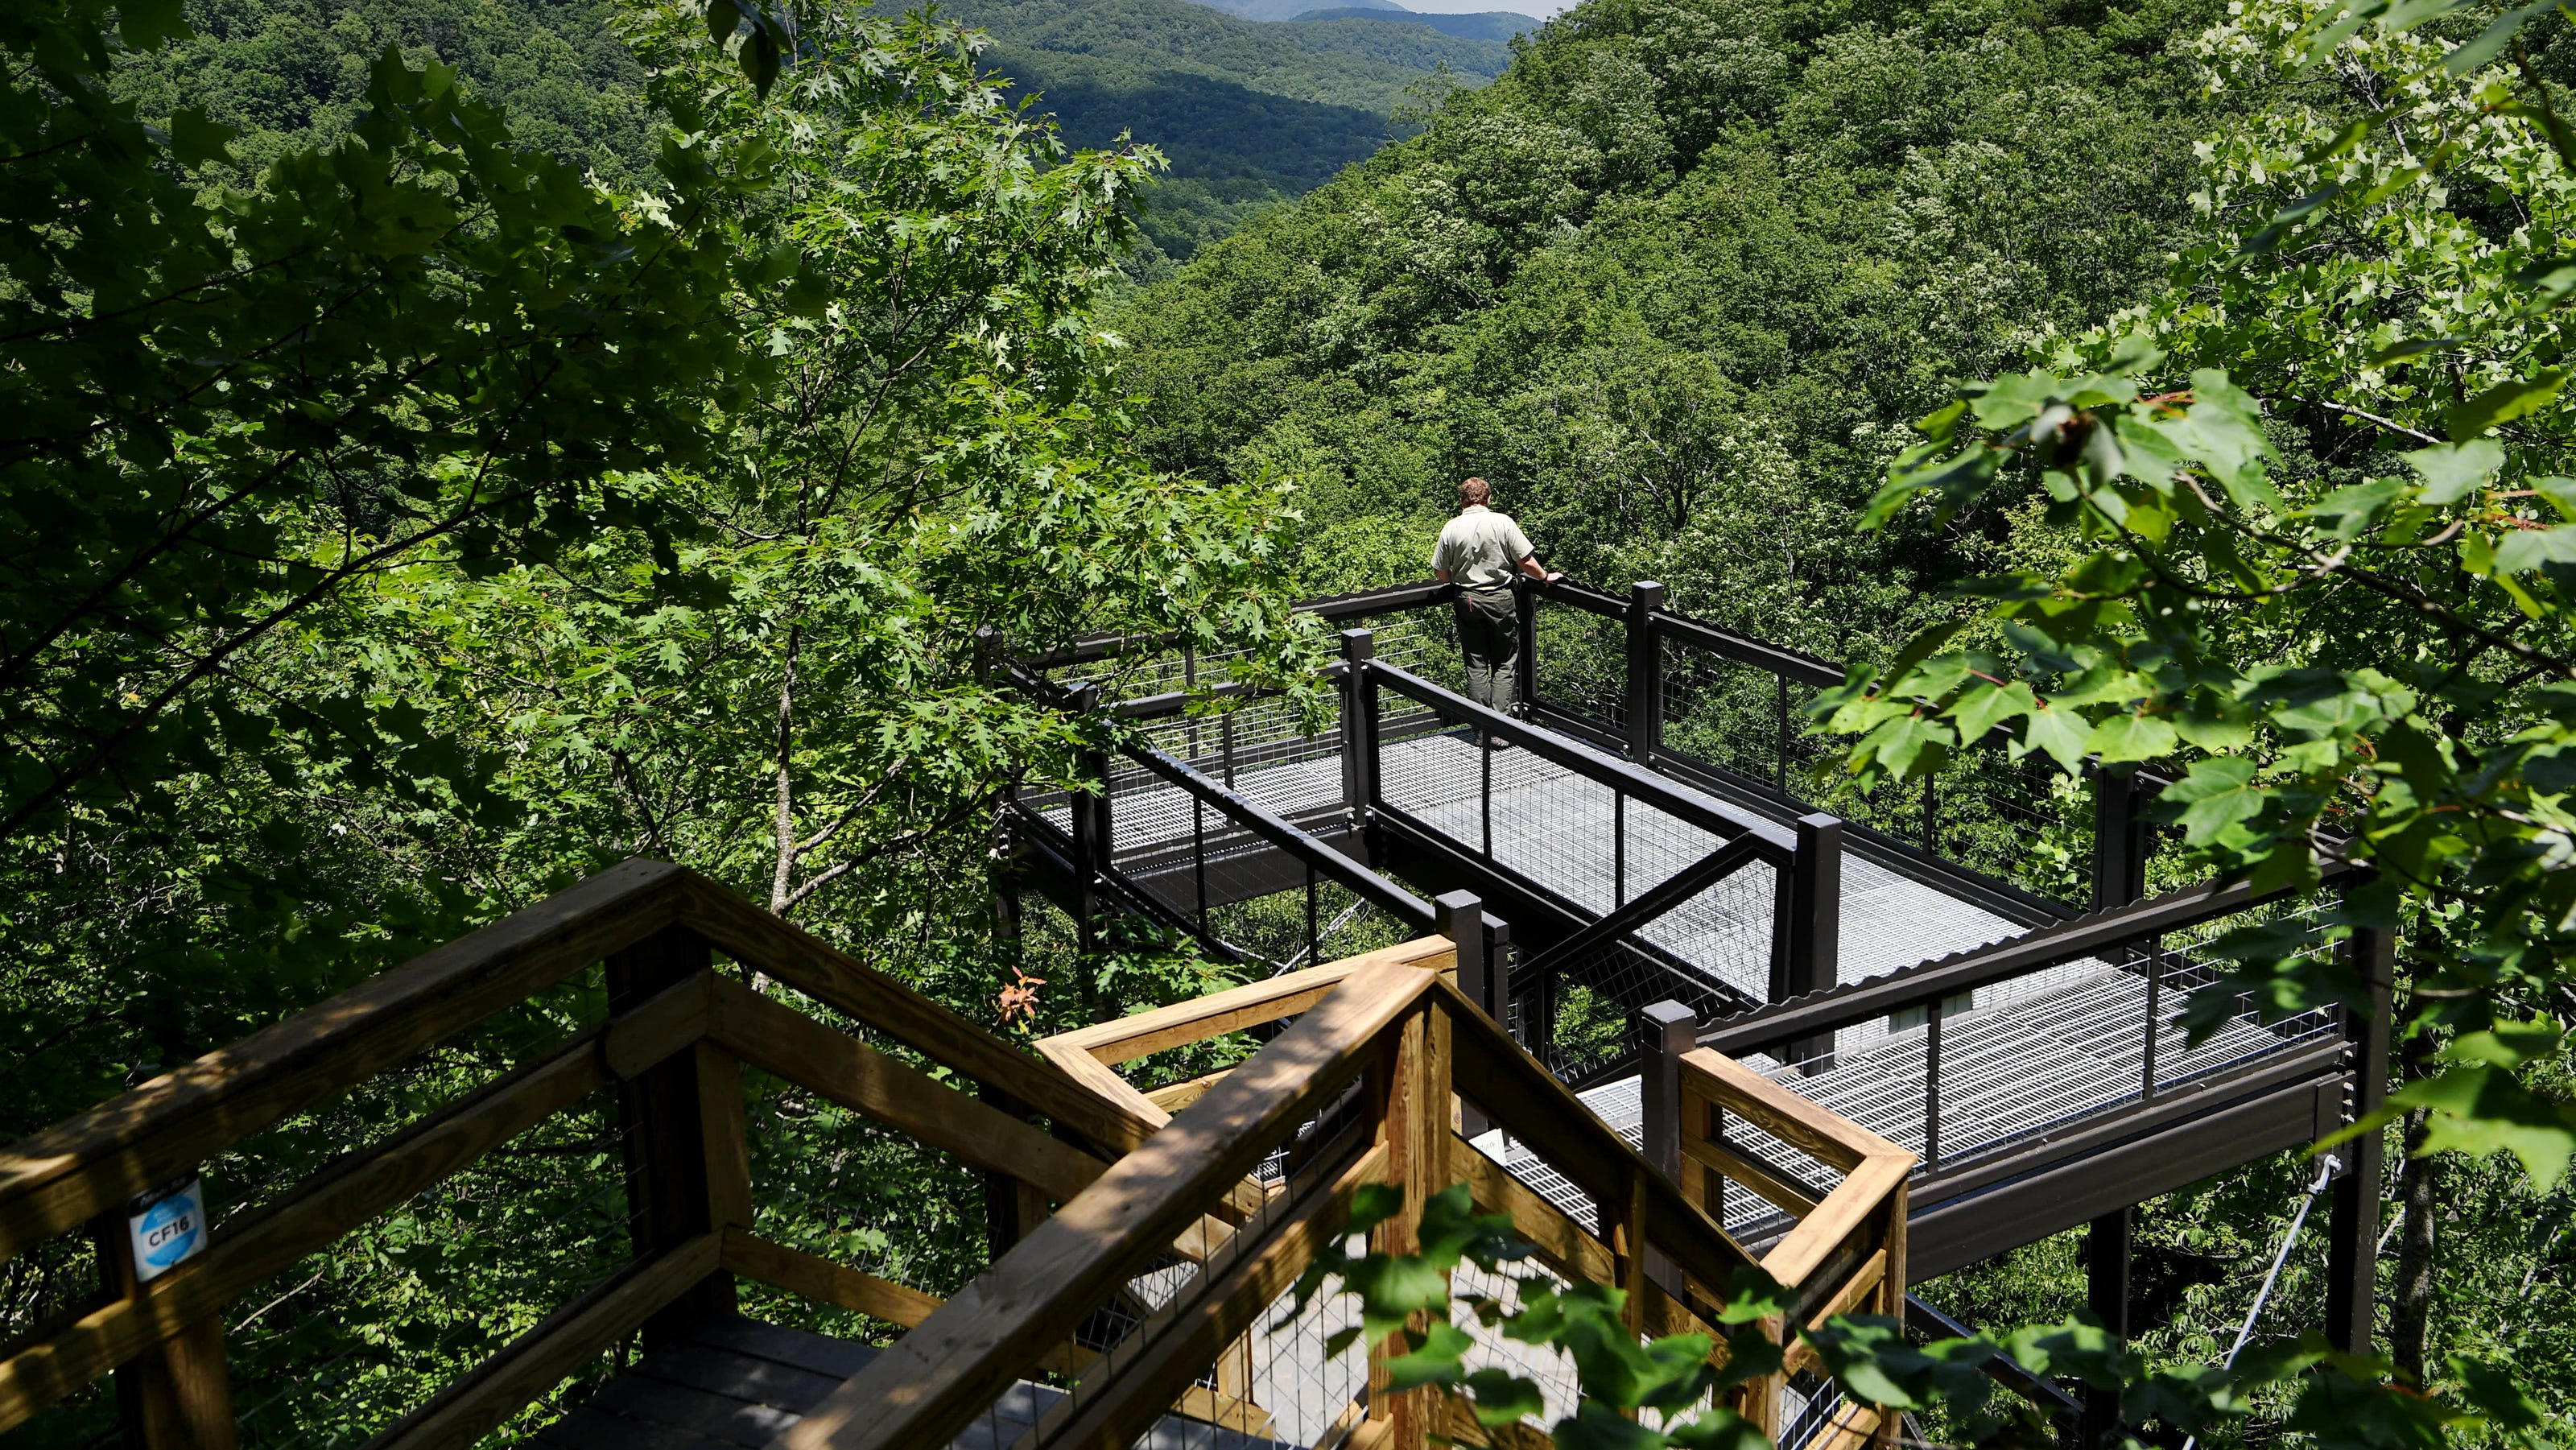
1479 551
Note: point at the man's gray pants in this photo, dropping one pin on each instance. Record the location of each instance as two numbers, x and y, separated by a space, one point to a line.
1489 635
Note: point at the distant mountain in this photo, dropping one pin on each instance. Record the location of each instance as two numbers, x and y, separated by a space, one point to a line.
1248 113
1500 25
1291 9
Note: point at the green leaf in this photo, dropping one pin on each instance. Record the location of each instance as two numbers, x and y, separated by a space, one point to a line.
2480 52
2481 1110
194 140
1503 1398
2060 734
2215 795
1439 1360
2131 737
1982 709
2502 403
2452 471
2524 550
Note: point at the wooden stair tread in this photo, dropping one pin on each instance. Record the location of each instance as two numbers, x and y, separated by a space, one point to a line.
730 1383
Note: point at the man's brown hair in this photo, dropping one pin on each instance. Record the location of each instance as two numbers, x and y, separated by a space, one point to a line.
1475 491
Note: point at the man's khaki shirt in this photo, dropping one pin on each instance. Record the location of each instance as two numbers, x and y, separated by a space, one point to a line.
1481 549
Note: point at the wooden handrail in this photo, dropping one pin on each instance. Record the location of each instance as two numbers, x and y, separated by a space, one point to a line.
1846 1250
54 1180
675 1040
1086 1054
937 1379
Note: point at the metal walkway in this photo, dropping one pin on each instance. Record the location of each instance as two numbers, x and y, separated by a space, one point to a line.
1911 961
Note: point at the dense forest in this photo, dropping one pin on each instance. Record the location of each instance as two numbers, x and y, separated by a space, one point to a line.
1681 283
453 447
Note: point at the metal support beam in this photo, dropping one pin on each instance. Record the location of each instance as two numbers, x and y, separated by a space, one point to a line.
2119 838
1645 702
1681 886
1460 916
2352 1249
1359 726
1808 941
1089 812
1671 1031
2107 1245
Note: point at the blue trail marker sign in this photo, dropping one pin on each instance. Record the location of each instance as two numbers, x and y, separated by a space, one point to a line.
167 1226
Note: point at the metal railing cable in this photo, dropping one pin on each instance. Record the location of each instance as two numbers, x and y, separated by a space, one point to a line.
2326 1171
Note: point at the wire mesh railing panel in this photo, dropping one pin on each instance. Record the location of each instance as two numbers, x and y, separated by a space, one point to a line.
341 1344
2018 821
1277 1381
1313 924
2016 1059
1580 664
837 1185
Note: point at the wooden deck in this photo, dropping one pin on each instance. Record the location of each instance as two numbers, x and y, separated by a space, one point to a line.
729 1383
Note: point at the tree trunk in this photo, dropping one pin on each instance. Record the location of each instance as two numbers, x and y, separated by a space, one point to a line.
781 885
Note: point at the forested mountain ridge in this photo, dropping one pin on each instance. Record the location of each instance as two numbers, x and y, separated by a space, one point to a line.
1247 113
1668 218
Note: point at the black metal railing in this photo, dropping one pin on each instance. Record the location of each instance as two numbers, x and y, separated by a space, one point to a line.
2093 1013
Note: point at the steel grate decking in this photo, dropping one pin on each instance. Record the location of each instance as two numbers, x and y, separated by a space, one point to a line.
2018 1058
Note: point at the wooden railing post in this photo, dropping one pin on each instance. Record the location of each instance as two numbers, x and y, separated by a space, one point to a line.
1359 728
1410 1085
688 1167
177 1394
1645 695
1808 940
1671 1032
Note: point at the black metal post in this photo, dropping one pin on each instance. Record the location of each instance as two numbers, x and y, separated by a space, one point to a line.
2119 838
1314 948
1359 727
1460 916
2107 1244
1780 746
1645 694
1671 1031
1089 809
1932 1084
1618 849
2352 1249
1198 859
1525 623
1931 816
1807 941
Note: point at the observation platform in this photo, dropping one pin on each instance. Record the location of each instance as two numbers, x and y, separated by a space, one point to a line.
1972 969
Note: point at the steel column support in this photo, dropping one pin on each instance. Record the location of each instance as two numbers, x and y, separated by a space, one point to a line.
2119 839
1460 916
1807 942
1645 695
1089 812
2352 1249
1359 726
1525 627
2108 1242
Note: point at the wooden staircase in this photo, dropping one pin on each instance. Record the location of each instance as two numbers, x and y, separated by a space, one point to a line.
1144 1243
